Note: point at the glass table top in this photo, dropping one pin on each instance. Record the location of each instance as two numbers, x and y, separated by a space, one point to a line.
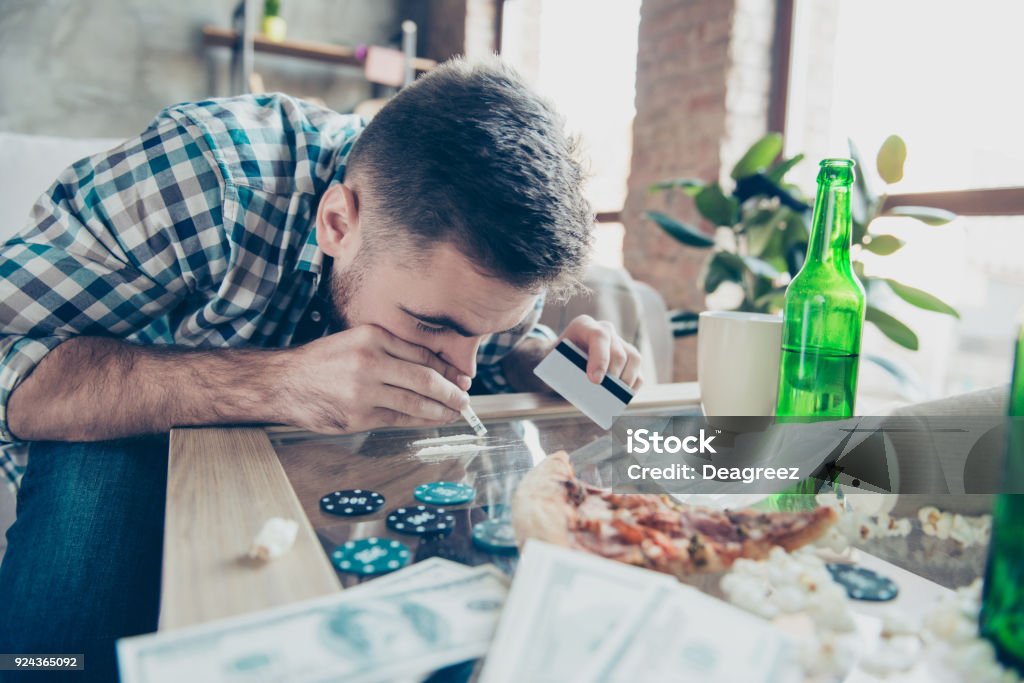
393 464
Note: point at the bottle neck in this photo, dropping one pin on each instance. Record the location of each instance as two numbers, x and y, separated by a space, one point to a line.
1017 380
831 225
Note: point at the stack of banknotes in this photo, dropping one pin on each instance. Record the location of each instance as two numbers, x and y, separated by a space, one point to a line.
572 616
569 616
398 627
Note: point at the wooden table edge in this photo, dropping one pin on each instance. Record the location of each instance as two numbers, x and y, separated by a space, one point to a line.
222 485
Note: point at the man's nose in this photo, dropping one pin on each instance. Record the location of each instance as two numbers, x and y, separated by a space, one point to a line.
461 352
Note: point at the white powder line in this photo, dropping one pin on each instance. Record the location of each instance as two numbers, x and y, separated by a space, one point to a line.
453 449
437 440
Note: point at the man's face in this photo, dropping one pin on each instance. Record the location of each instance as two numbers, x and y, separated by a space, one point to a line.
439 302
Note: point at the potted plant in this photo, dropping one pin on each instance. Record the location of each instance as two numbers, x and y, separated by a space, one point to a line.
761 233
274 26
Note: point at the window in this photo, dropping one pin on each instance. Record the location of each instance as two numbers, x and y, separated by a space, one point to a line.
942 76
584 60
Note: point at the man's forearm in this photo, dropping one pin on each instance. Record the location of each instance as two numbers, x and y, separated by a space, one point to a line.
94 388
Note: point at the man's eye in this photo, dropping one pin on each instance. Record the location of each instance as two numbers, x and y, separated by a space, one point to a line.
428 329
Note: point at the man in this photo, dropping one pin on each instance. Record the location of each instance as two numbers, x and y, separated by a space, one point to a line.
254 260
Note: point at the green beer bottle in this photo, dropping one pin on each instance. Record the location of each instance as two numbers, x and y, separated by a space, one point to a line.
1002 602
824 310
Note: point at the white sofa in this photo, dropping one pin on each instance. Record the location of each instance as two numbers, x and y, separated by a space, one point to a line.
30 163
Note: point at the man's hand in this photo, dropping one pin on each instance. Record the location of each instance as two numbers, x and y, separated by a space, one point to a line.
607 353
366 377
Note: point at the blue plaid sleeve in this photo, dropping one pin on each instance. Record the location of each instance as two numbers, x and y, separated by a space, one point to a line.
489 374
112 247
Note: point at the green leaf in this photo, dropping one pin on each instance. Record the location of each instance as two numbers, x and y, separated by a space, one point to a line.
892 328
772 301
891 157
925 214
760 155
760 268
690 186
760 185
762 236
859 232
716 207
779 170
921 299
681 232
883 245
722 267
763 225
796 227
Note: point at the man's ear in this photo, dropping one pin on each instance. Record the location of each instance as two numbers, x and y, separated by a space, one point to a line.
337 223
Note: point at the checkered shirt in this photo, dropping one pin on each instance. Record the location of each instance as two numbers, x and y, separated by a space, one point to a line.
199 232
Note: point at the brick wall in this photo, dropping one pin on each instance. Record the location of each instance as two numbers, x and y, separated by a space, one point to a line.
453 27
703 72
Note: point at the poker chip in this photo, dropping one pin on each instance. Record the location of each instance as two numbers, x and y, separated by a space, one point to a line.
421 521
351 502
370 556
862 583
444 493
495 536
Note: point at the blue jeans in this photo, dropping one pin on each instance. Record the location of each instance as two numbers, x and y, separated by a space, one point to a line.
83 560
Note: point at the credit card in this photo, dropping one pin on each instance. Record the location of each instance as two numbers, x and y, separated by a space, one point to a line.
565 371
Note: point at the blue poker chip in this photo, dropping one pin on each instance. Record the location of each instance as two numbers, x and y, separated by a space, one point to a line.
495 536
351 502
862 583
419 520
444 493
370 556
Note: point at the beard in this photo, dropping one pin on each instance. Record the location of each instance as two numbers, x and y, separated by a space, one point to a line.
344 285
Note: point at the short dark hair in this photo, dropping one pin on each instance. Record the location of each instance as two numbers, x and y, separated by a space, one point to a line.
468 155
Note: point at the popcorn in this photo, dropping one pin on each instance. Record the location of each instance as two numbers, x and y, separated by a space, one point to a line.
832 615
966 531
274 539
928 516
899 623
953 630
829 655
786 583
892 654
799 582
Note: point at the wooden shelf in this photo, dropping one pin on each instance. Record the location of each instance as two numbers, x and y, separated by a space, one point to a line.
215 36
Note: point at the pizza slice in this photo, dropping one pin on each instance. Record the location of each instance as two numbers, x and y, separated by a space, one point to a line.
553 505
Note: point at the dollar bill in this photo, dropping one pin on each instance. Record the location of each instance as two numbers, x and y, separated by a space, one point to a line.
687 635
419 619
572 616
564 608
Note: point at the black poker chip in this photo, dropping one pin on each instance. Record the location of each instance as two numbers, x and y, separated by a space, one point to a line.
862 583
351 502
420 520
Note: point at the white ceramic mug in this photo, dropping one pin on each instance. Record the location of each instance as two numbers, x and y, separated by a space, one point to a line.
738 362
